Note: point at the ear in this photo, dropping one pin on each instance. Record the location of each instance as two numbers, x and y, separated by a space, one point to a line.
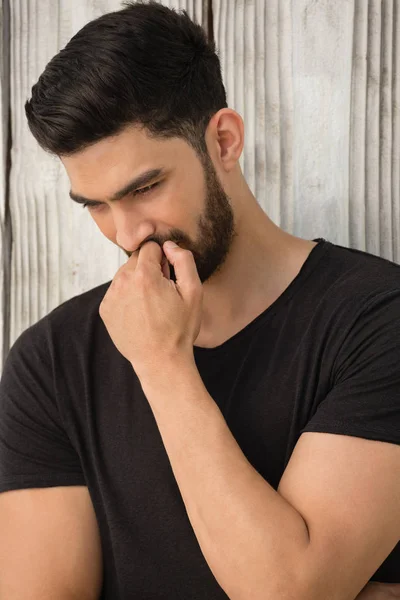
225 138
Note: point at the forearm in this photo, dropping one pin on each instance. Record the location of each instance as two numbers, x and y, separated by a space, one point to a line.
253 540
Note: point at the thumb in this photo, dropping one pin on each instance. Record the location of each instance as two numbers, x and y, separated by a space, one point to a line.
184 265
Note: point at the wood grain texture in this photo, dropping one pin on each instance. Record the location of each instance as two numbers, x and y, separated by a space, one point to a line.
287 67
374 221
254 42
5 223
58 251
322 70
317 84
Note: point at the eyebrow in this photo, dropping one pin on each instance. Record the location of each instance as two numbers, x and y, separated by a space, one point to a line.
140 181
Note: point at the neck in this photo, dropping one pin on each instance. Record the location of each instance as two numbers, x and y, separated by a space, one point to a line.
262 262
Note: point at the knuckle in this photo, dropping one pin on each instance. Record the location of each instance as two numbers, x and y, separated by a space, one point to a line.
123 275
121 279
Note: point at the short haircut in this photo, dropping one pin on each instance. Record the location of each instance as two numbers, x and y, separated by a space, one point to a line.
145 65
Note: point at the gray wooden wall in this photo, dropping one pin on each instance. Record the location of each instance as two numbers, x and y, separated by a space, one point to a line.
318 86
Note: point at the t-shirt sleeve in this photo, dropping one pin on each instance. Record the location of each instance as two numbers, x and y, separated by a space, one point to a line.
35 450
364 400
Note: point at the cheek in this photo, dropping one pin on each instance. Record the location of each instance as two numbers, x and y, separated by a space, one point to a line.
184 202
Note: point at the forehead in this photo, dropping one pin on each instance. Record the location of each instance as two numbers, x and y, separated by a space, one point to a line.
100 169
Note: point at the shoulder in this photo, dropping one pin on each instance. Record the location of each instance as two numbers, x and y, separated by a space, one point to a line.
352 284
80 307
361 273
73 320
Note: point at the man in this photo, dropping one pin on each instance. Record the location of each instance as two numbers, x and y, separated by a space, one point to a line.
222 420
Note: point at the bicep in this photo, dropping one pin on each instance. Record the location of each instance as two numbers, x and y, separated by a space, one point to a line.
49 545
347 490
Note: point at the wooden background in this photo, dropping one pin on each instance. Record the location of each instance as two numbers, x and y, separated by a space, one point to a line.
318 86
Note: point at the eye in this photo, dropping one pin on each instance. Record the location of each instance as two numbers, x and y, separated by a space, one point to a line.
145 190
141 191
91 205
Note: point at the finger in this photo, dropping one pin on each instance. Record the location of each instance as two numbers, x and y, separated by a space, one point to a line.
150 253
184 266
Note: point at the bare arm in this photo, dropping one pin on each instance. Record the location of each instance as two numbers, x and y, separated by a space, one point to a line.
316 537
49 545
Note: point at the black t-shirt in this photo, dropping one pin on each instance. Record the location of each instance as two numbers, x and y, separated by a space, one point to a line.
324 357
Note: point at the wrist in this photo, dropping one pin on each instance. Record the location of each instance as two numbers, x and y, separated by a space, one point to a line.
167 370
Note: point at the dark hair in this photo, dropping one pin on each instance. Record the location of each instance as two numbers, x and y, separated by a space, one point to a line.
145 64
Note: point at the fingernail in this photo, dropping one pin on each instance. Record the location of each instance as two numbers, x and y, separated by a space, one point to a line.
170 244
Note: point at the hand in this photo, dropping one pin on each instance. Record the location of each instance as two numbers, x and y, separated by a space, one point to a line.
380 591
149 317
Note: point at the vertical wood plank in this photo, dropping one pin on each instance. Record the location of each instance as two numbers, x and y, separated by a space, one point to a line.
396 134
372 141
5 224
357 232
386 133
322 68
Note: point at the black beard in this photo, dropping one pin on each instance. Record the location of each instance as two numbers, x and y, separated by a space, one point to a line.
216 229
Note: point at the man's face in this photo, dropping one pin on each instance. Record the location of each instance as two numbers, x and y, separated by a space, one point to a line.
183 202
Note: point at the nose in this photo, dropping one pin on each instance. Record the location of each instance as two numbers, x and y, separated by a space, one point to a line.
131 229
